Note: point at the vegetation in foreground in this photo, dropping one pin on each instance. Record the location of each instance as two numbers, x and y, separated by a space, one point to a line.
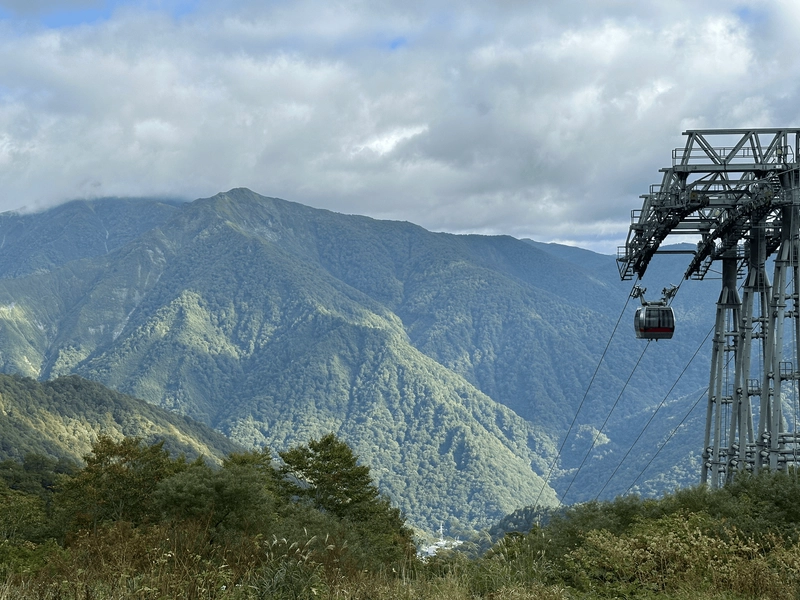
134 522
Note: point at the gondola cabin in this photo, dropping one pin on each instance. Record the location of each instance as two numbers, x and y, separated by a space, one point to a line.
654 322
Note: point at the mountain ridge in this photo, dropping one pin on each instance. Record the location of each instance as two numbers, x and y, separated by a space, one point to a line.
62 418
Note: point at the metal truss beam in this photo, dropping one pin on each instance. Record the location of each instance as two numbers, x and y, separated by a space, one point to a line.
697 192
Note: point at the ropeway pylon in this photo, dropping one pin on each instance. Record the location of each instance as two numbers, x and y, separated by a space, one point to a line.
738 191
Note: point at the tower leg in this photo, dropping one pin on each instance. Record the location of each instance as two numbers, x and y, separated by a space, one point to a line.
780 369
717 451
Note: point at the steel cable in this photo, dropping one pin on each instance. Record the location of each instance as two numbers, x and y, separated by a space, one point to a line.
669 437
585 394
650 420
600 431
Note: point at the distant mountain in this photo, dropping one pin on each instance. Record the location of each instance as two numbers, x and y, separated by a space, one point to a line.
32 244
453 365
62 418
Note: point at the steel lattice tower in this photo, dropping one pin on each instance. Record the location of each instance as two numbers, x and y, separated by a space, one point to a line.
738 192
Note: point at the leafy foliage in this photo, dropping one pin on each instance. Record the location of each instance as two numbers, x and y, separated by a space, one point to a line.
326 472
240 496
134 509
22 516
117 483
197 539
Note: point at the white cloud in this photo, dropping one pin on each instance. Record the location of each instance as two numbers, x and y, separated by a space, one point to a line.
384 143
543 120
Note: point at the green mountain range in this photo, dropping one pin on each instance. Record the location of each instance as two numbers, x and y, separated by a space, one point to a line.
453 365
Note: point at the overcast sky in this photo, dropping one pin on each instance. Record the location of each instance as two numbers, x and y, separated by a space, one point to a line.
542 119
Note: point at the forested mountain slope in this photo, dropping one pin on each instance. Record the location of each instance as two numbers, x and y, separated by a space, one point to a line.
453 365
64 417
80 229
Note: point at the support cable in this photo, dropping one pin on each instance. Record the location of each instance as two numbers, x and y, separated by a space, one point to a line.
650 420
585 394
600 431
672 433
602 427
669 437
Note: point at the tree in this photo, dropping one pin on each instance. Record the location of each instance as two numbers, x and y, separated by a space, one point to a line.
326 473
37 474
239 496
22 515
118 483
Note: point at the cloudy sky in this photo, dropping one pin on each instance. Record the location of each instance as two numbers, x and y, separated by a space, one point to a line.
543 119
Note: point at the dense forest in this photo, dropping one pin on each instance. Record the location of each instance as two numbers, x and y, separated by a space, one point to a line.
133 521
